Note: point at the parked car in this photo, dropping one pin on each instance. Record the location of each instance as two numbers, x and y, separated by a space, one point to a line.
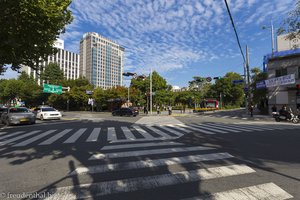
125 112
47 113
17 115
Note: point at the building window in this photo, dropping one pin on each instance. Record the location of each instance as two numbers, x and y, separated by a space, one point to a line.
281 72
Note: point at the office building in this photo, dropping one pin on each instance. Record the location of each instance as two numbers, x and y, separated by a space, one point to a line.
101 60
67 61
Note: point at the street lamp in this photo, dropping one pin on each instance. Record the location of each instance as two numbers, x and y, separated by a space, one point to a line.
272 35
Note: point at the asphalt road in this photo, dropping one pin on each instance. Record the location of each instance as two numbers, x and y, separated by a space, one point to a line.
157 157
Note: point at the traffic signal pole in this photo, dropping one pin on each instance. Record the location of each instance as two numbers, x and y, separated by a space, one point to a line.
248 76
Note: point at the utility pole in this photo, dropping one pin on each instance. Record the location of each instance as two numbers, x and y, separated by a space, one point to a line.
246 86
248 75
272 32
151 91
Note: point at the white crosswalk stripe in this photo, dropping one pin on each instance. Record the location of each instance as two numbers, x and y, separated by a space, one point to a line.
203 126
179 128
33 139
257 192
11 134
2 133
147 152
172 131
166 157
75 136
197 129
144 133
128 134
147 133
149 144
111 134
55 137
94 135
19 137
159 132
151 163
149 182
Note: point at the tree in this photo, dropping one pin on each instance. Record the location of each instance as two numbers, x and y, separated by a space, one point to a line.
232 94
52 74
29 29
291 24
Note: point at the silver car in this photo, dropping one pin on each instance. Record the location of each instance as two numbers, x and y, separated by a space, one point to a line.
20 115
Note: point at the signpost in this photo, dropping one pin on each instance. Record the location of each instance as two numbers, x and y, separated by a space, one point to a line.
55 89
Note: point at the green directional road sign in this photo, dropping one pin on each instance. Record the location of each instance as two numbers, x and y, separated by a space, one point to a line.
56 89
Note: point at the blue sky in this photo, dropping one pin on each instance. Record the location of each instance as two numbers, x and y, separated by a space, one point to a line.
179 38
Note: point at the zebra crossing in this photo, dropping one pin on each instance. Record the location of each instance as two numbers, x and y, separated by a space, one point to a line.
134 133
159 174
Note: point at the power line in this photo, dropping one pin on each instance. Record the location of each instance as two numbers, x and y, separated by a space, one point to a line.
236 35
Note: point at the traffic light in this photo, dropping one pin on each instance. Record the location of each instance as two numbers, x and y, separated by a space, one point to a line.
217 77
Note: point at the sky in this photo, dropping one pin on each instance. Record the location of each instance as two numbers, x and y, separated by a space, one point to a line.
179 38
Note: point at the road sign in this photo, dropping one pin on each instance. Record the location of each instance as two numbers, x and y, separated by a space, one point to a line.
237 81
208 79
56 89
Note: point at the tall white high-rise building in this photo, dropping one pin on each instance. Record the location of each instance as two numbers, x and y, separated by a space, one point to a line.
67 61
101 60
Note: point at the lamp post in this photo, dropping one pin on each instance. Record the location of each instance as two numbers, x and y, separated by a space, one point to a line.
272 35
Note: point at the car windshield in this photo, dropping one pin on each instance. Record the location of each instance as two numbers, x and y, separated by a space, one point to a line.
48 109
19 110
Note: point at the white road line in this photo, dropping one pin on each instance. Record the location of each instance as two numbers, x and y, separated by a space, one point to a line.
257 128
147 152
56 137
75 136
198 129
144 133
172 131
150 163
11 134
208 128
111 134
94 135
257 192
230 127
128 134
149 144
149 182
19 137
159 132
33 139
223 128
179 128
1 133
245 127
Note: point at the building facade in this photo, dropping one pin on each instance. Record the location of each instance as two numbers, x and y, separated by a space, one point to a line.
67 61
101 60
283 68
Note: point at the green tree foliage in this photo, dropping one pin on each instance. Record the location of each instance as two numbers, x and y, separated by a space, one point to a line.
291 24
29 29
52 74
232 94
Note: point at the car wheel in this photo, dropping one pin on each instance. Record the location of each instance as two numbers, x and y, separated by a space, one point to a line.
277 119
41 117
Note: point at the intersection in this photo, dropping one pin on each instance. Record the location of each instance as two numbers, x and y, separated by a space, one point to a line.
151 157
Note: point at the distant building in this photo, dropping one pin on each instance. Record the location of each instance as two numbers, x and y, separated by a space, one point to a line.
283 68
101 60
67 61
